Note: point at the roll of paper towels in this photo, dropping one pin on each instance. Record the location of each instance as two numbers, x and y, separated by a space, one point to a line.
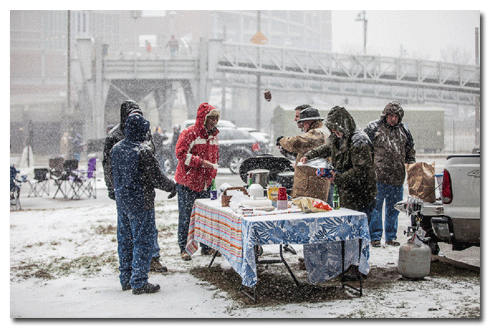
257 202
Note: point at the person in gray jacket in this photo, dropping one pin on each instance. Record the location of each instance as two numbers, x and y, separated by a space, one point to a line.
393 147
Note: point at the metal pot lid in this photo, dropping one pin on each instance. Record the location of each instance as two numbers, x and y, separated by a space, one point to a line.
258 171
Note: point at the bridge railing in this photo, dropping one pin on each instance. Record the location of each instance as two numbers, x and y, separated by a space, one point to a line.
309 64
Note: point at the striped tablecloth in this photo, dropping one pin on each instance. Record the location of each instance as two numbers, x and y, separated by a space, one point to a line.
234 236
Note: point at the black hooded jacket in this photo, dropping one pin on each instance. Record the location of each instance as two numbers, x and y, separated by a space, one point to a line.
135 169
113 137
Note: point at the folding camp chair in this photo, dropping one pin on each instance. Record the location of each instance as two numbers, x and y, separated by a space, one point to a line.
65 182
86 179
40 185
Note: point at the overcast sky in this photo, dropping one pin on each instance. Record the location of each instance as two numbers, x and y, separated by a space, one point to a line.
421 33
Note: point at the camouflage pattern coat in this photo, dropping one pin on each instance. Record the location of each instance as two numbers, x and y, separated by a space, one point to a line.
352 156
393 146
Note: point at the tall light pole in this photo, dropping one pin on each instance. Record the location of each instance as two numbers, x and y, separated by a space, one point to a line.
361 17
257 123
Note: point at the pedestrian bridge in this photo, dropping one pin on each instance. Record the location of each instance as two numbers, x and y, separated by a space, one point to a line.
280 69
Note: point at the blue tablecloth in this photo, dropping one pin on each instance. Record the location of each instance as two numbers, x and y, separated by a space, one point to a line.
320 233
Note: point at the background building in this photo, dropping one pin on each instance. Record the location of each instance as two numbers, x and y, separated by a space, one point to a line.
45 88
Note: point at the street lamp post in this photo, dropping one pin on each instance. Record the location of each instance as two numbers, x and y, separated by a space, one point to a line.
361 17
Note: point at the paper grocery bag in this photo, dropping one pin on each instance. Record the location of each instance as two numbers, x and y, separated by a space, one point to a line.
421 181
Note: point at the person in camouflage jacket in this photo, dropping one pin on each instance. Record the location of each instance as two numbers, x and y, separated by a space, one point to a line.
393 147
352 157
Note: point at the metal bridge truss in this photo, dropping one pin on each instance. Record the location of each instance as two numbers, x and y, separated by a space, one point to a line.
290 69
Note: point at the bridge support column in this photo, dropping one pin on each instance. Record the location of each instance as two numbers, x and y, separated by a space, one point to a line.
164 97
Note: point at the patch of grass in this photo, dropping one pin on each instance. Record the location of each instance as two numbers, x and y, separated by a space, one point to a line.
105 230
84 265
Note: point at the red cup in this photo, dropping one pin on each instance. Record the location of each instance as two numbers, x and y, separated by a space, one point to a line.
282 194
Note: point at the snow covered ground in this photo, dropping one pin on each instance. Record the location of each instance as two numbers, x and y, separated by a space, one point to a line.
76 247
63 264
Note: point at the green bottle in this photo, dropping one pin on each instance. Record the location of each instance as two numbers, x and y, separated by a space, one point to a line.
214 191
336 198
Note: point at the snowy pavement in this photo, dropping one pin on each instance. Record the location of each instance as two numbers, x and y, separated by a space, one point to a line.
75 243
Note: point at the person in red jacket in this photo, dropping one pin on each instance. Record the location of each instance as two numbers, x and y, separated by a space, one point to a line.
197 151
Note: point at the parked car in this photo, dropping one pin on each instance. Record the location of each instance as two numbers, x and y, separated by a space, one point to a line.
221 124
235 145
263 138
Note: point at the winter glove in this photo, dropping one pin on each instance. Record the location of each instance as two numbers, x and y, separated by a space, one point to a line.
172 193
289 155
112 195
278 140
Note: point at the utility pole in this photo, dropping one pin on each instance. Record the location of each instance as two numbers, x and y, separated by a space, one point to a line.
477 105
361 17
258 77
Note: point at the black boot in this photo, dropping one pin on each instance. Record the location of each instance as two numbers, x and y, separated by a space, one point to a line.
156 266
146 289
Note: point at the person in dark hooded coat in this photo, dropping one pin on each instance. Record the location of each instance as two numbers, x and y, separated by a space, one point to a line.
352 156
136 174
114 136
393 148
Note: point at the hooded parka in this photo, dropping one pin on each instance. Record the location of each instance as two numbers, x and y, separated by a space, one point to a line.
135 169
194 146
113 137
393 146
352 156
306 182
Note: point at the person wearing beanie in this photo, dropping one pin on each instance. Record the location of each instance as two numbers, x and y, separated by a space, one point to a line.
197 152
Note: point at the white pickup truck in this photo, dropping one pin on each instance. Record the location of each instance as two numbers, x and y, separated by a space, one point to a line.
455 216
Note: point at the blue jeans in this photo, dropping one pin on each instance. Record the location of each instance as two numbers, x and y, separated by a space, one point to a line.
186 199
135 240
388 195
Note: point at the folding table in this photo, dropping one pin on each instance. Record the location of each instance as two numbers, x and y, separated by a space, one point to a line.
332 241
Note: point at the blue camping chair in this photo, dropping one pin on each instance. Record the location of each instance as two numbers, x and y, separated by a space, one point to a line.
15 185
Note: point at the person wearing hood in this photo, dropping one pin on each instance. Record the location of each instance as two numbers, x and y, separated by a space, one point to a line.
115 135
136 173
352 156
306 182
393 147
197 152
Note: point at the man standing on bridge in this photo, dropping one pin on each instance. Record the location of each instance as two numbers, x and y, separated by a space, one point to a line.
393 147
173 44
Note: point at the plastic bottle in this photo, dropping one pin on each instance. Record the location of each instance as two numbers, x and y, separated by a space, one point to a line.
272 190
282 199
214 191
336 198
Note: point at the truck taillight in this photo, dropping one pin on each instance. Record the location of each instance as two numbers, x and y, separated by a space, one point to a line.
447 191
256 147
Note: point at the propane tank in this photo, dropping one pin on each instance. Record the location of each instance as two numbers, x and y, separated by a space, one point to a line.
414 260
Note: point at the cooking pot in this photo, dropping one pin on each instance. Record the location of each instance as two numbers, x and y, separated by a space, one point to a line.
259 176
286 179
